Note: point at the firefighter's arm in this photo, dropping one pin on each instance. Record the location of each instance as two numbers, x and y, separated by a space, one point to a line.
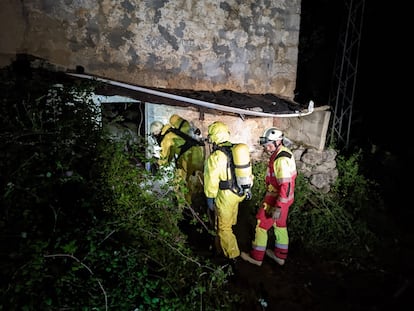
211 177
283 192
284 178
165 151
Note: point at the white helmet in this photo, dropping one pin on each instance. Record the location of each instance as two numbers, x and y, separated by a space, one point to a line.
156 127
271 134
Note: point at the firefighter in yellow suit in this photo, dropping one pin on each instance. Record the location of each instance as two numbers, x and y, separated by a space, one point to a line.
224 201
185 150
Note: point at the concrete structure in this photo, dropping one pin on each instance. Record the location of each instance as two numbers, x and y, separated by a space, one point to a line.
246 46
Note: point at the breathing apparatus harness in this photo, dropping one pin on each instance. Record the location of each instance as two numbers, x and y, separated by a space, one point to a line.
189 141
231 181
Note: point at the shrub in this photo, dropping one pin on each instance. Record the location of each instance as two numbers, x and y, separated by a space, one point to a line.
81 228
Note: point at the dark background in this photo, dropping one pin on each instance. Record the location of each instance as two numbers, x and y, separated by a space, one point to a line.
381 109
381 114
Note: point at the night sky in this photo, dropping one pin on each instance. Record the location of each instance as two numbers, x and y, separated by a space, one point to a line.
380 107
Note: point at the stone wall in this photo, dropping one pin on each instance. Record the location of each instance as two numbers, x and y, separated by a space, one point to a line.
318 166
248 46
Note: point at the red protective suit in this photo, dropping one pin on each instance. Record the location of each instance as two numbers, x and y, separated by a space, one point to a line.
280 185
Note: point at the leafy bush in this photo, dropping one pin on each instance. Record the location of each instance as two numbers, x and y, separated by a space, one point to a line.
81 227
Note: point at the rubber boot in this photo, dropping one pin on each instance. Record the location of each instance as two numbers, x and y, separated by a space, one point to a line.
272 255
247 257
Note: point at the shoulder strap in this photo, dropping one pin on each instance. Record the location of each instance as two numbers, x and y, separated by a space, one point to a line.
189 141
283 153
230 183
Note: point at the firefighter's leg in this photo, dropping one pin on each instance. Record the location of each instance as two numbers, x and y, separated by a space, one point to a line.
225 221
260 238
217 245
281 242
281 235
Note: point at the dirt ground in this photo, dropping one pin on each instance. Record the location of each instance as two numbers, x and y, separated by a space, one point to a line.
309 283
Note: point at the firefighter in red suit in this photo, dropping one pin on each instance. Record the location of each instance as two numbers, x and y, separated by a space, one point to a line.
280 187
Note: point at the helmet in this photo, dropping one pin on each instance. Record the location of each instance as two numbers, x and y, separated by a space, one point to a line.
271 134
180 124
218 132
156 127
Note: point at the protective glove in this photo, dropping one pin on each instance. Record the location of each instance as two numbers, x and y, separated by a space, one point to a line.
276 214
210 204
273 212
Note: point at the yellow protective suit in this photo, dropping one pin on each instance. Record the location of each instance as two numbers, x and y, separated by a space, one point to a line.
189 165
226 201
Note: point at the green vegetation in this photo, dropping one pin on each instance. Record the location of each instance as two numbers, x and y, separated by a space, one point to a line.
334 225
81 228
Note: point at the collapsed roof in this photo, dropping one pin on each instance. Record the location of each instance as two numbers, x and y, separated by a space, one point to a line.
225 101
221 102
